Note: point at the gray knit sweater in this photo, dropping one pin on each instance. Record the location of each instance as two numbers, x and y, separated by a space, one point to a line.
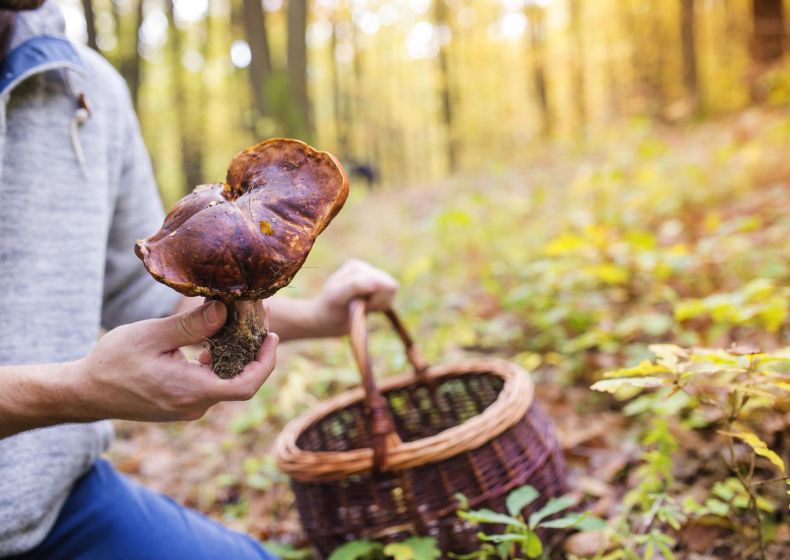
75 193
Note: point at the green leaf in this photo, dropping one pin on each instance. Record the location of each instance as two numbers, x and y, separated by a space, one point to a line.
288 552
488 516
463 501
399 551
533 548
519 498
562 522
424 548
591 523
553 506
717 507
356 550
506 538
582 521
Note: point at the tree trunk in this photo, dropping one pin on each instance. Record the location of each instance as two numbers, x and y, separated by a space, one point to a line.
577 66
90 23
445 89
767 44
134 74
261 63
537 38
688 47
189 139
340 100
297 64
768 39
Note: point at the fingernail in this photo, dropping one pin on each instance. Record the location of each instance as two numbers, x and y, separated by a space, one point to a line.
210 313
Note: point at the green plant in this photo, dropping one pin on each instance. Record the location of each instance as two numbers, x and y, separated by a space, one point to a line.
288 552
740 386
413 548
520 534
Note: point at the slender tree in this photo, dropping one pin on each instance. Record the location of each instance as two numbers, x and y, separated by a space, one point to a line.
188 129
339 96
127 52
90 23
134 66
577 66
536 40
297 65
254 19
767 42
445 86
689 50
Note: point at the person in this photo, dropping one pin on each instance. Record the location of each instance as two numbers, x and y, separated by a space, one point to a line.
77 190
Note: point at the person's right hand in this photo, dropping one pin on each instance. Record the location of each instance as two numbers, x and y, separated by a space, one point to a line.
138 372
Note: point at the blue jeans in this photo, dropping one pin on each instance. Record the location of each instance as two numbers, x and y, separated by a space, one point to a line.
110 517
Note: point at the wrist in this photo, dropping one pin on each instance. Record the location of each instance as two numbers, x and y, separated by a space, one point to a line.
76 389
60 394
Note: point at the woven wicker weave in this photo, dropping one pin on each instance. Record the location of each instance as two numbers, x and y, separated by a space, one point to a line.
385 462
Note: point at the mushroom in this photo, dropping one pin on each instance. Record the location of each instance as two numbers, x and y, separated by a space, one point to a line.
243 240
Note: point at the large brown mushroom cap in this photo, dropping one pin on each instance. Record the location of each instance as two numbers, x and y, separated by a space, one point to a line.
248 237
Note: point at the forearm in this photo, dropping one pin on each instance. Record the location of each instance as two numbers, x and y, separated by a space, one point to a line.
290 318
293 318
35 396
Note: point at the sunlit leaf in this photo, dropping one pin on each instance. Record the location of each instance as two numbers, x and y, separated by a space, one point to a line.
645 368
399 551
758 446
612 385
564 244
668 355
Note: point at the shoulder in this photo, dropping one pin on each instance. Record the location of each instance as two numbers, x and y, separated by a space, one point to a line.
104 85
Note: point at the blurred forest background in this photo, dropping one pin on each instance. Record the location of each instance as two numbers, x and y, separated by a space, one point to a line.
410 91
561 183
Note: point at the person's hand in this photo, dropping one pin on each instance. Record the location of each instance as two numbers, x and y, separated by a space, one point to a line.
354 279
138 372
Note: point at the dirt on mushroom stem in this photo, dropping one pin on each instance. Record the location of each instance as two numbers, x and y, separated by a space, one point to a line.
237 342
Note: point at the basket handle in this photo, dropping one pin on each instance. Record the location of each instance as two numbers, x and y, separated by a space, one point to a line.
382 425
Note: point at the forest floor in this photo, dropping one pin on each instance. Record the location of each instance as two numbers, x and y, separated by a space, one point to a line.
570 264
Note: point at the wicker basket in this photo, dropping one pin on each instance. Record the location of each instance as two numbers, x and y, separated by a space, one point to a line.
385 462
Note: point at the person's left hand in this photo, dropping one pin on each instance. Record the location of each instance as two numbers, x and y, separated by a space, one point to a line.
354 279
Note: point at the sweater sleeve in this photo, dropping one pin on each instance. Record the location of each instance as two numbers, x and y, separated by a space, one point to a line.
130 293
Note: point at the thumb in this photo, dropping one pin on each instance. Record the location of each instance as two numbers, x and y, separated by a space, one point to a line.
190 327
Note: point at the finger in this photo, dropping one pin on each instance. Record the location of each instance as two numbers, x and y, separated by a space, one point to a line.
246 384
190 327
383 292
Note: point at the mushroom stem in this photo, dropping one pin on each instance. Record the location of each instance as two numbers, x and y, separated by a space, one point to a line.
237 342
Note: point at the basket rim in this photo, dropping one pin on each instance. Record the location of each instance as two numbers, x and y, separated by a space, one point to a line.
510 406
